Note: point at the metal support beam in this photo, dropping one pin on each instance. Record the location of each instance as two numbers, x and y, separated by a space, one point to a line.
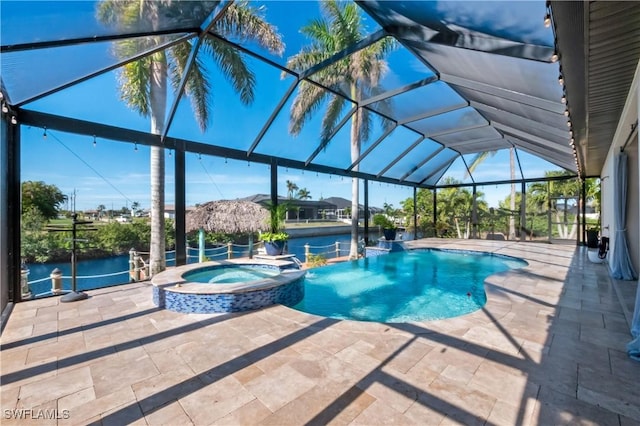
274 183
422 163
272 117
583 202
474 213
501 92
324 143
435 212
523 212
400 90
9 212
181 207
401 156
442 168
415 213
115 66
373 146
121 135
366 212
365 42
208 24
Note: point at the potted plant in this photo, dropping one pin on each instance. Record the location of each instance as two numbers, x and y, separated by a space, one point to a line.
387 225
275 239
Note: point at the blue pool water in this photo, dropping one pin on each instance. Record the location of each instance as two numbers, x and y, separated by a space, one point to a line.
230 274
418 285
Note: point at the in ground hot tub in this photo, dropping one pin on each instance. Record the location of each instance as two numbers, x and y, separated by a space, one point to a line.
228 286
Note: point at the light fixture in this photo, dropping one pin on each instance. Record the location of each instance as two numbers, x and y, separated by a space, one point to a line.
570 132
135 146
14 120
563 99
568 123
566 112
547 20
4 108
572 142
199 156
1 96
225 160
169 153
44 134
560 79
94 141
555 57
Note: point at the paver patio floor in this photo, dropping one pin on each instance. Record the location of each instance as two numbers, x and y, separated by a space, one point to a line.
547 348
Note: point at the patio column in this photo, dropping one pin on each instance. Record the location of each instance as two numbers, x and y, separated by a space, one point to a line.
181 237
523 212
9 212
474 213
366 212
435 211
274 182
583 201
415 213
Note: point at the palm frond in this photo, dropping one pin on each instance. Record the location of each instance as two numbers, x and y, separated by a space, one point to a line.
307 58
331 117
198 87
345 22
134 86
199 92
233 66
366 123
478 159
247 22
305 105
322 39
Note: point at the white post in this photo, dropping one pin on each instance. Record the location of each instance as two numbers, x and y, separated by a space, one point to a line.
201 245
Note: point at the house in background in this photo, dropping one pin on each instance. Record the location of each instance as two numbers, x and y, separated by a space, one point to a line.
343 208
299 209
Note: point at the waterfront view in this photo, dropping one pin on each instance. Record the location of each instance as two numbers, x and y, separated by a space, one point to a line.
114 270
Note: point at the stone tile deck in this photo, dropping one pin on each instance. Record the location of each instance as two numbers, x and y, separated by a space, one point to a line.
548 348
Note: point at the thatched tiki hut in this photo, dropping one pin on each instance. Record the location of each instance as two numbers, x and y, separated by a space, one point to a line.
229 217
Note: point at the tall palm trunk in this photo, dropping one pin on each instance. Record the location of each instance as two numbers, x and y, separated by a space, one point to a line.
158 100
355 184
512 205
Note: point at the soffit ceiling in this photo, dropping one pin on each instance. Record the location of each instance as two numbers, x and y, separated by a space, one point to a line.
600 72
475 77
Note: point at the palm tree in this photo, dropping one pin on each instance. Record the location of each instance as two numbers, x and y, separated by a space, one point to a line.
358 74
134 208
304 194
144 83
545 193
100 209
291 189
479 158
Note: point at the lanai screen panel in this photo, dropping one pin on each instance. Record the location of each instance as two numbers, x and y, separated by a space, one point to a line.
473 76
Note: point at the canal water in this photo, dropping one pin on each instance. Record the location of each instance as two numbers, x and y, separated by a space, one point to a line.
98 273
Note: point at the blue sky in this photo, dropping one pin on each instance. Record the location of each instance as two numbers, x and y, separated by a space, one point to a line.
114 174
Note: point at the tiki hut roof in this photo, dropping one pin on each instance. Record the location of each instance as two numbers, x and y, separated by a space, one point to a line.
228 216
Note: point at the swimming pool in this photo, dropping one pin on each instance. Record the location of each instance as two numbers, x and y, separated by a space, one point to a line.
416 285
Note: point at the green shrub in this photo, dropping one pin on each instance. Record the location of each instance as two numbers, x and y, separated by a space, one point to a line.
316 260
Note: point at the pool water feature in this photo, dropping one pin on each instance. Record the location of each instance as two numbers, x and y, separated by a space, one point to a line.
415 285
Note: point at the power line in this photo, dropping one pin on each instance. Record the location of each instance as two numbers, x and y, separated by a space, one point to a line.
210 178
89 166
